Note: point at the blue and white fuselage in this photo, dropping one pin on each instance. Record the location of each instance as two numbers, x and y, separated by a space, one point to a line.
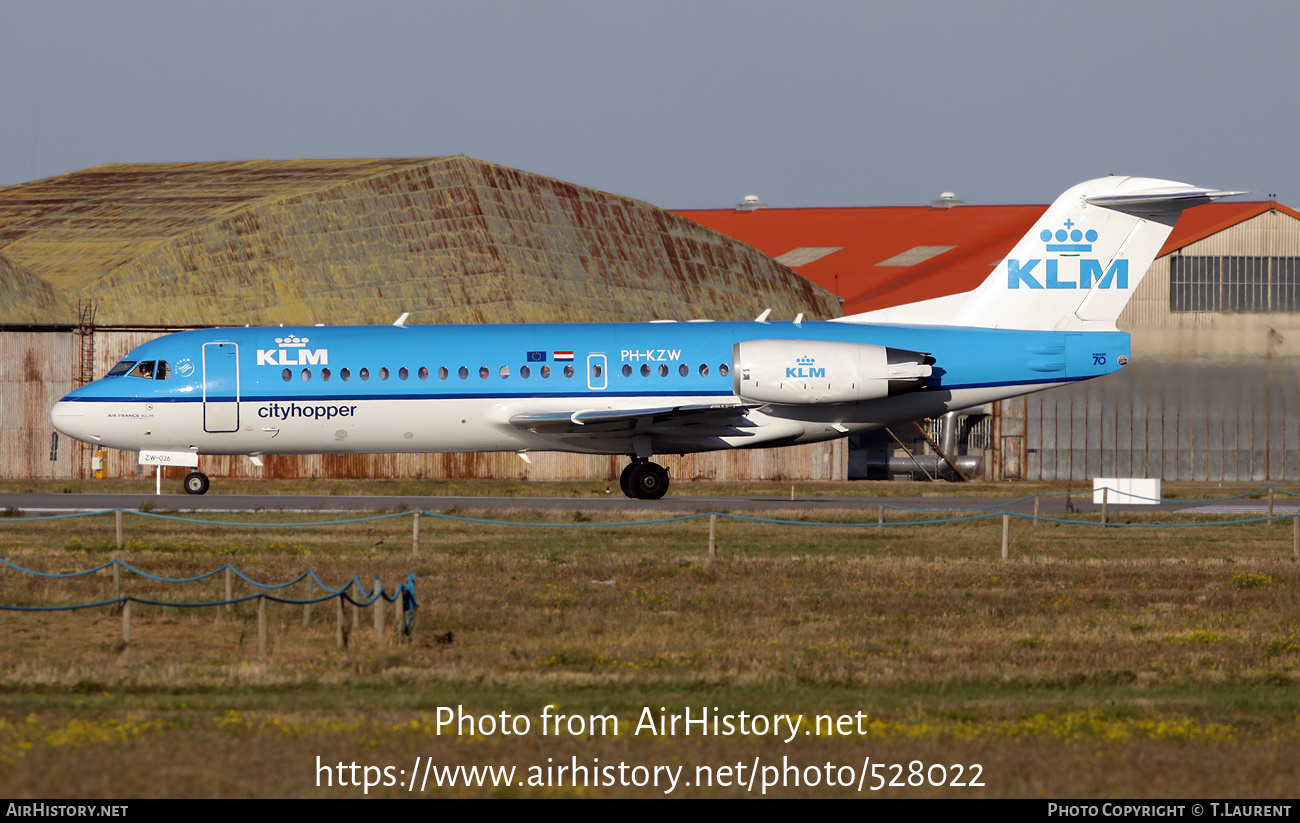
1044 317
491 388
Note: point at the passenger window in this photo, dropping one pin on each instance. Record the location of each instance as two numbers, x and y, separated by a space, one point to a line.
505 372
121 368
683 370
164 370
325 374
645 370
483 372
546 372
525 372
596 370
383 373
424 373
306 374
287 375
345 374
724 370
442 372
402 373
704 370
568 371
663 370
364 374
627 370
464 372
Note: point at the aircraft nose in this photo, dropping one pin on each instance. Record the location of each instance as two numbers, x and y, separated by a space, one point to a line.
70 418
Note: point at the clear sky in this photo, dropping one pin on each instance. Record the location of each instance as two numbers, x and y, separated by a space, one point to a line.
689 104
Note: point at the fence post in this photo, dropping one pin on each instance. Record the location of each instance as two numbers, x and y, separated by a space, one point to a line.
713 535
338 623
415 536
378 606
126 625
117 578
880 515
1295 537
230 590
399 611
118 519
1006 536
261 625
1105 502
1036 500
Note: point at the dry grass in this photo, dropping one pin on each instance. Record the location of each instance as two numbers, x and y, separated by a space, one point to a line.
1096 662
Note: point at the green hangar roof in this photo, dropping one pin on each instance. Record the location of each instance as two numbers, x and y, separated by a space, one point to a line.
451 240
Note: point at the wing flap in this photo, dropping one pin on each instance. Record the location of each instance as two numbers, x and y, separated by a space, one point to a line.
639 421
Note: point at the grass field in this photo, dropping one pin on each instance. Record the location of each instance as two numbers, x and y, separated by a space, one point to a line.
1096 662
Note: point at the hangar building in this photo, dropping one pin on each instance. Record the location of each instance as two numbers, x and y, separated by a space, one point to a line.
95 262
1212 393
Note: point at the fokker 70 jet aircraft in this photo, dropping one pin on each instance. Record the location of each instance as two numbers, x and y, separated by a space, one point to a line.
1044 317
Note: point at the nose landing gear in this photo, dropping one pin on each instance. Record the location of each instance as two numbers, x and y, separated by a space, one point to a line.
644 480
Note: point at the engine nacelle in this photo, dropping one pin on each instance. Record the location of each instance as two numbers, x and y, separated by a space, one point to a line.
802 372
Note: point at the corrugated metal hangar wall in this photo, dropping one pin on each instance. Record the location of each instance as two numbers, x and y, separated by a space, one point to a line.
451 240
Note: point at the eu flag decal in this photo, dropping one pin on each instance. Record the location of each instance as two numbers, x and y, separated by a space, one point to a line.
537 357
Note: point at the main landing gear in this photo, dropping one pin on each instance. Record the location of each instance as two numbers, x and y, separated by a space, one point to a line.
644 480
196 483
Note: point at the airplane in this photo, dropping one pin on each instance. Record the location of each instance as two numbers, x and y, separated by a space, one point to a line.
1044 317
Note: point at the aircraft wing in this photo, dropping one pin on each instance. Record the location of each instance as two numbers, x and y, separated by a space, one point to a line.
653 420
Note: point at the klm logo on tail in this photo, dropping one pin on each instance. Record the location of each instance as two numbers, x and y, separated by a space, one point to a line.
1089 273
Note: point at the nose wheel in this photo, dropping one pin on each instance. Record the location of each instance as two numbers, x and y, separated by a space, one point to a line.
196 483
643 480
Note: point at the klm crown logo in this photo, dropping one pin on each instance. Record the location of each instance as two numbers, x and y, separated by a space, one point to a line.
804 368
1075 236
301 356
1075 242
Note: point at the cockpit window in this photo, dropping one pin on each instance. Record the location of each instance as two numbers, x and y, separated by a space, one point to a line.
163 371
144 368
121 368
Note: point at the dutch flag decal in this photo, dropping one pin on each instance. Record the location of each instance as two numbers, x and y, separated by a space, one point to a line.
564 355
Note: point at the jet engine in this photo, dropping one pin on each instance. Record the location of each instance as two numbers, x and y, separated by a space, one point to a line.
804 372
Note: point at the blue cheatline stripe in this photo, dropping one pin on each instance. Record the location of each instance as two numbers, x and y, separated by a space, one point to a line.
484 395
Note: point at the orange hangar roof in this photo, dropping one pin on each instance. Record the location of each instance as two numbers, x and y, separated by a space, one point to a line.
878 257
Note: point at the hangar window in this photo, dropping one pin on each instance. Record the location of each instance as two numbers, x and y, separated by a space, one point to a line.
1253 285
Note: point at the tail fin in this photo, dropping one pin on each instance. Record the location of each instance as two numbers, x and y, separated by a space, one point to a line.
1078 266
